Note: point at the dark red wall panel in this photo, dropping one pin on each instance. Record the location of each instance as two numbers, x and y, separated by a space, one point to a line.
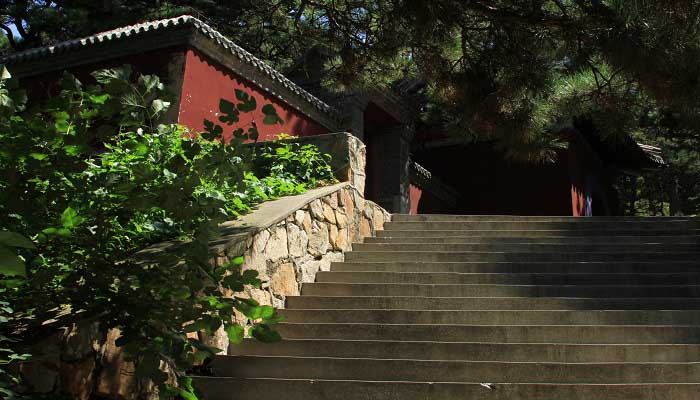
206 82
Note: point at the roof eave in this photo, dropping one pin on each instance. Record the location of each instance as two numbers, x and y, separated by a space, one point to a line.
64 56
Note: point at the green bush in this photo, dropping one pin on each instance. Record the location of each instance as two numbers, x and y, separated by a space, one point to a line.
91 178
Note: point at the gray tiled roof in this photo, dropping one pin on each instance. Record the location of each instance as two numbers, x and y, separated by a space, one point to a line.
185 21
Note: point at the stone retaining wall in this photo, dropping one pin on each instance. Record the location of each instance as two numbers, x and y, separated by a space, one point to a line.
287 241
291 252
308 240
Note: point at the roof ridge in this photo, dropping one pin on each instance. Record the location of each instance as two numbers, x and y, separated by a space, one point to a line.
99 37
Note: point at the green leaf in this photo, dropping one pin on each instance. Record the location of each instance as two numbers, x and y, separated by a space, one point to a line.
187 395
271 117
182 293
250 274
265 334
98 99
267 312
106 76
4 73
158 106
10 263
250 277
249 307
235 333
186 384
201 346
168 174
38 156
141 149
206 323
56 231
234 283
149 81
62 123
247 102
238 260
73 150
149 367
70 218
12 239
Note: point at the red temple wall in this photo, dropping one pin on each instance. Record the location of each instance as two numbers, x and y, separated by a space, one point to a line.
205 82
415 196
488 184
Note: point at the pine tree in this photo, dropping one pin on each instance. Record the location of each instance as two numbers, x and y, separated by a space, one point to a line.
510 70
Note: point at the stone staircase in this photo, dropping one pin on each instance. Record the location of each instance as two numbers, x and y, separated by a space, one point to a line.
489 307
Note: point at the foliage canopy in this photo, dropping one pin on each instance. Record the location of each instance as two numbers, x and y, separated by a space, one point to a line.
90 177
506 69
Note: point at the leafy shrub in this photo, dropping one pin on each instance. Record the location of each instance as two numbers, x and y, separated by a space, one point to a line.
296 161
91 177
8 356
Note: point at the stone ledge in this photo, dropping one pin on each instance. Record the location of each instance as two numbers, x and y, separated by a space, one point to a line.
266 215
235 233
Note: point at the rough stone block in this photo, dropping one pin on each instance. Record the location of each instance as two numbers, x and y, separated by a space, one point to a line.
328 213
254 256
316 208
343 241
299 217
307 267
77 378
277 247
318 239
341 219
333 236
331 200
117 379
349 203
365 228
297 239
284 281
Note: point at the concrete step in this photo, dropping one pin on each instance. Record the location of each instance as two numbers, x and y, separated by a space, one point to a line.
310 389
597 226
530 218
490 317
398 289
490 303
519 267
598 308
434 256
581 334
533 352
531 233
452 371
530 247
661 278
558 240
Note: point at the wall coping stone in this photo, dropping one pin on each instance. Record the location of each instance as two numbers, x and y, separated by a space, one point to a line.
235 233
266 215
